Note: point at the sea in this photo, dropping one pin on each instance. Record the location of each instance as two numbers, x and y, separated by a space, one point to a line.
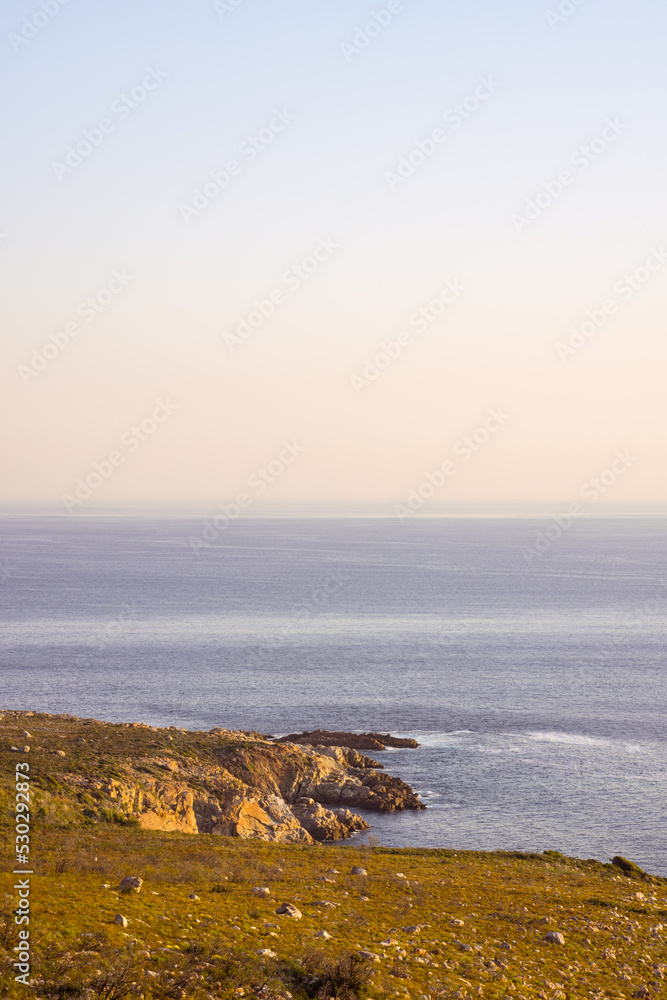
526 654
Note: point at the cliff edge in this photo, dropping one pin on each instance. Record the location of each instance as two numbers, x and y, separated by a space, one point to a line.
222 782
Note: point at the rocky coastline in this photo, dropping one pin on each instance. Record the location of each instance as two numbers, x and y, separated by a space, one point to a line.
302 788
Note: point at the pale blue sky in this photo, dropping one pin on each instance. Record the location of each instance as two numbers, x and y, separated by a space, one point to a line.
324 176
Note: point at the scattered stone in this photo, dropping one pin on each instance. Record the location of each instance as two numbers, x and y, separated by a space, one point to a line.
505 945
400 875
262 891
24 749
27 734
131 882
120 919
416 929
289 910
192 895
455 922
369 956
364 899
324 935
359 871
58 753
267 953
555 937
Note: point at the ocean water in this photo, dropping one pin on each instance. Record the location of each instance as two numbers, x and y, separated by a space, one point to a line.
536 684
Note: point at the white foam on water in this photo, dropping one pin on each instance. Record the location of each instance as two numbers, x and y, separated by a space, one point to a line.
569 739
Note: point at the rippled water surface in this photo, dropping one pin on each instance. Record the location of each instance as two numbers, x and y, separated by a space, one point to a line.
537 690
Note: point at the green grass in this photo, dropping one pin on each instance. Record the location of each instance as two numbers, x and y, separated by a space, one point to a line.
177 948
503 899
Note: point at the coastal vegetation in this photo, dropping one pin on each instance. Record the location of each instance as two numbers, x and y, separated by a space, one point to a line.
356 920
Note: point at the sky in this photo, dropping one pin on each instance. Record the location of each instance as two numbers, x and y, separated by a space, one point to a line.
318 251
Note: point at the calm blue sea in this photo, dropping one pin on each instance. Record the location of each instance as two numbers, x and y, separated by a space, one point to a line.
537 687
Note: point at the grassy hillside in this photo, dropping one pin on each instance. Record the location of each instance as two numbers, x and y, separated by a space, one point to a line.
419 923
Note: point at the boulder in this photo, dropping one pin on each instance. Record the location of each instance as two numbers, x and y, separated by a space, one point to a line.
120 920
349 758
359 871
327 824
266 817
289 910
555 937
131 882
262 891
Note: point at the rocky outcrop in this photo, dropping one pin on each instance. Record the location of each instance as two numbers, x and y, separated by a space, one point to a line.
348 757
357 741
327 824
266 818
221 782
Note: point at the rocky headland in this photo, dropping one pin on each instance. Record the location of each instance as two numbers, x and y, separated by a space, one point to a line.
223 782
125 902
357 741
